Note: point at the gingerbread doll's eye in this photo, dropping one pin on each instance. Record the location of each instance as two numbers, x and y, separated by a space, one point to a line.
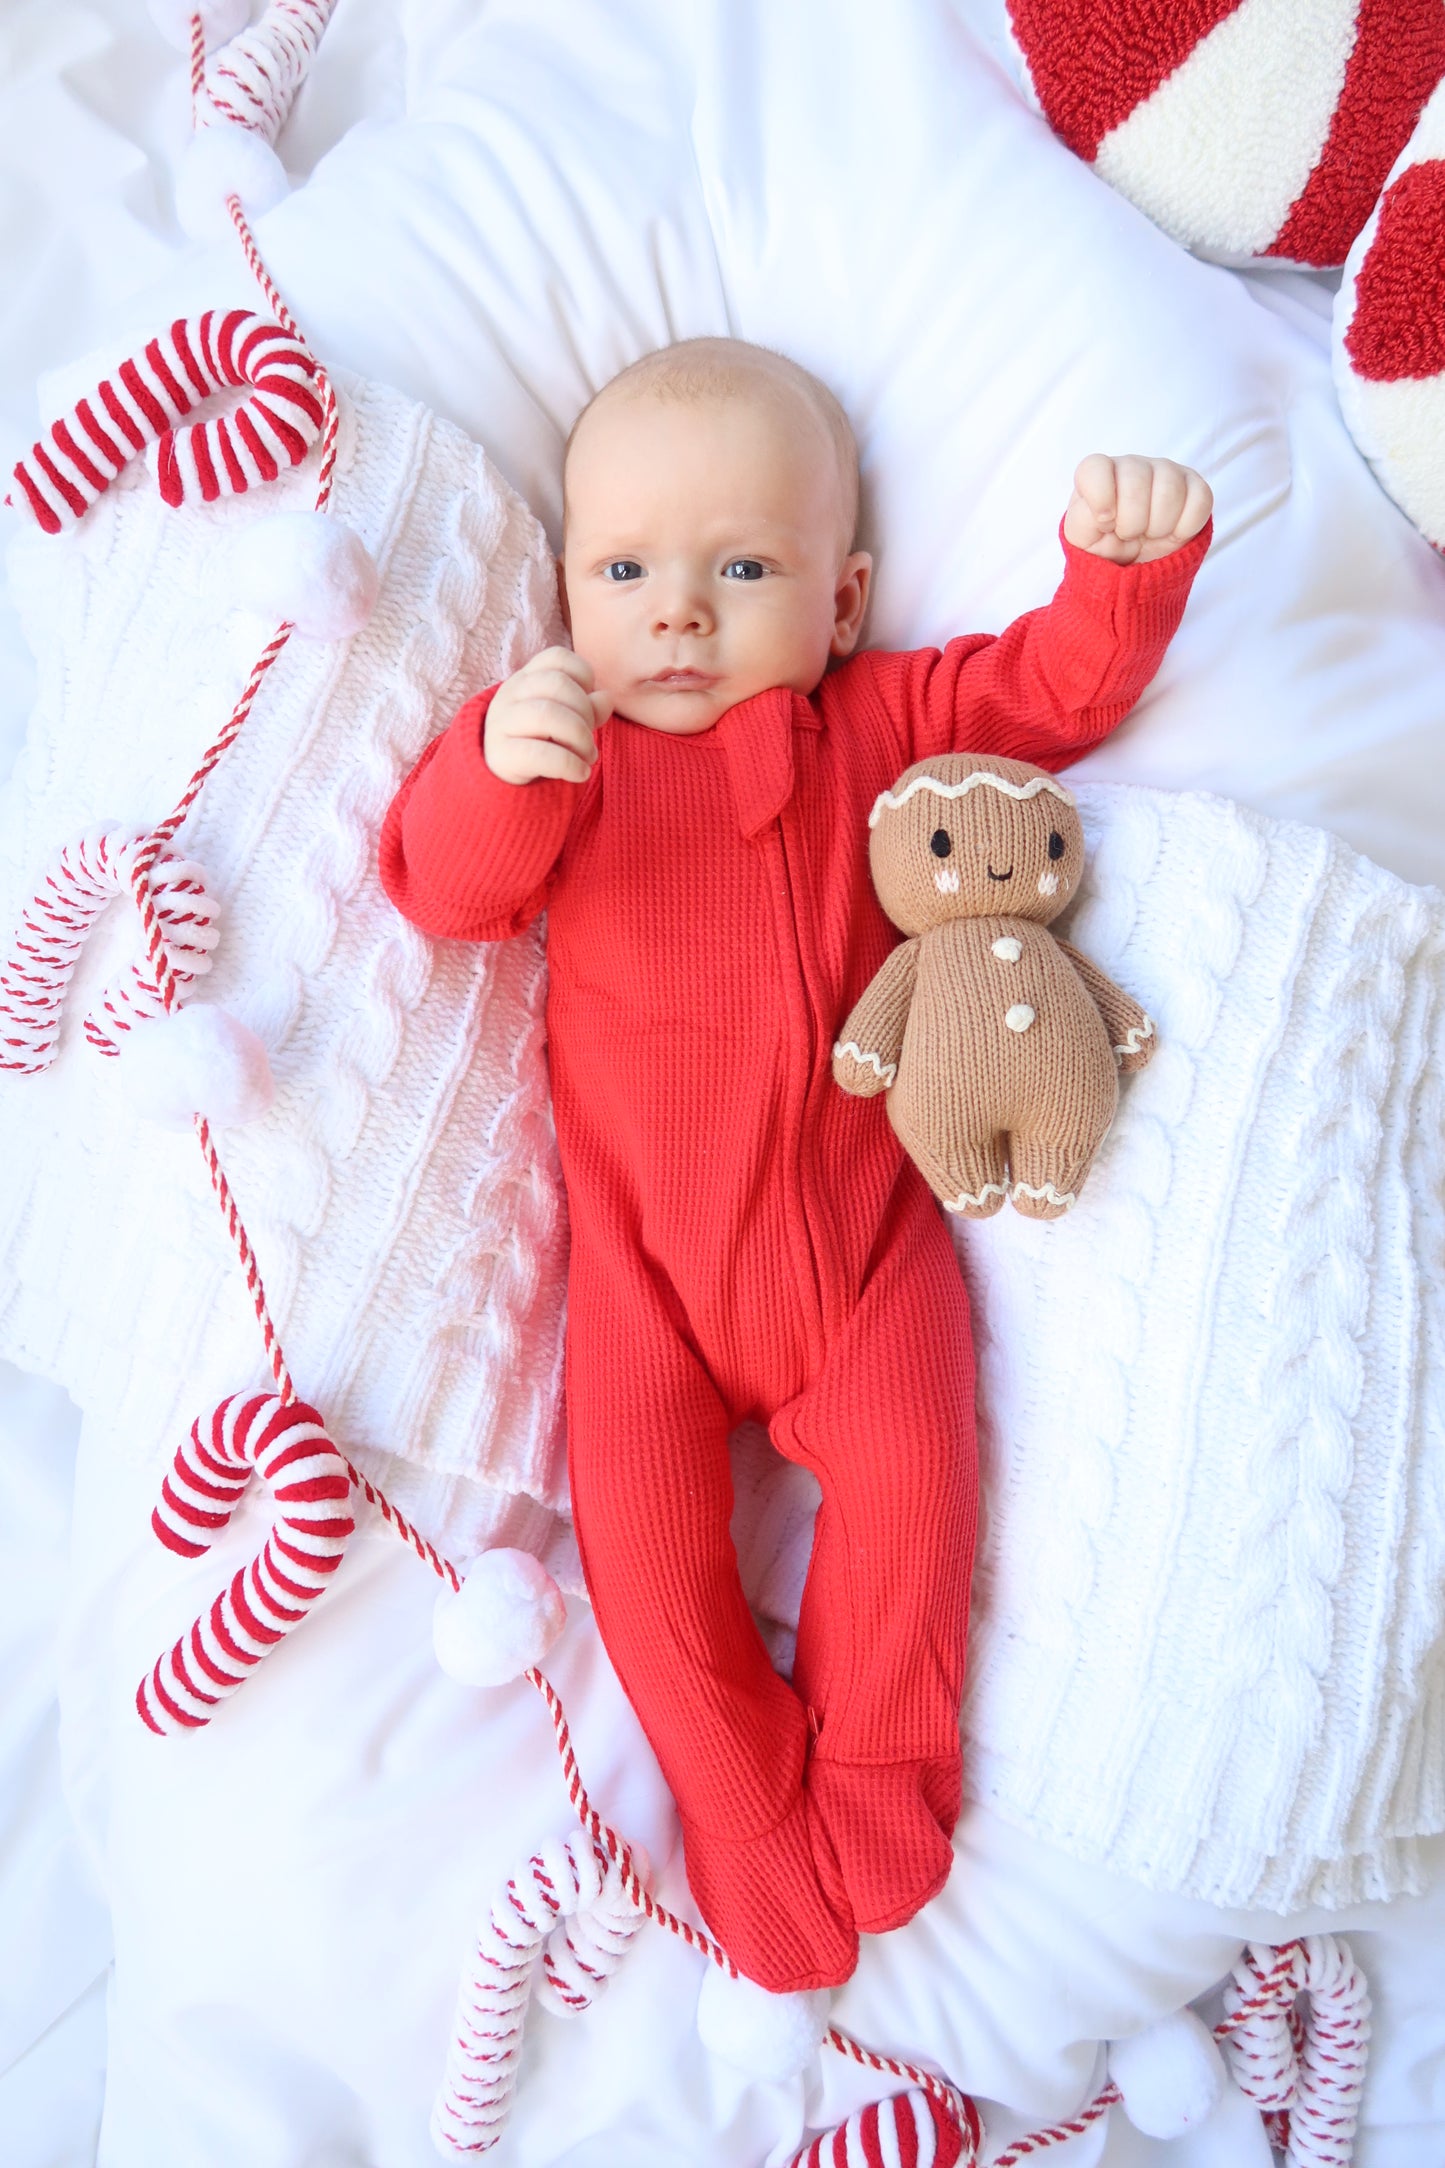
941 843
1056 845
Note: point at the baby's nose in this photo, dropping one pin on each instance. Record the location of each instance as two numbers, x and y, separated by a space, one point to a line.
684 609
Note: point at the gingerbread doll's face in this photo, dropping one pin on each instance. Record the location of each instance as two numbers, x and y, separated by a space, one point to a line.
968 836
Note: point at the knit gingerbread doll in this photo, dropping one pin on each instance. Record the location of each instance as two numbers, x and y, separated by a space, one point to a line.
998 1044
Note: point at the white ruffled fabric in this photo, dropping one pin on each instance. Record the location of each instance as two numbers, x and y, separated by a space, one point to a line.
402 1195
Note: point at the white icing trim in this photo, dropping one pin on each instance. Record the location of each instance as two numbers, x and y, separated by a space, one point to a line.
1051 1195
1031 789
963 1200
886 1070
1135 1036
1008 948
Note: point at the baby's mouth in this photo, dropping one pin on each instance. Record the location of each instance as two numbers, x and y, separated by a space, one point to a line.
683 681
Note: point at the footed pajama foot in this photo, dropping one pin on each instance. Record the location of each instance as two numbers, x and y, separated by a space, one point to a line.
890 1823
776 1902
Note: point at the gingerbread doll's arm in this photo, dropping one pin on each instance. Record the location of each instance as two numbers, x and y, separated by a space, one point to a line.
1131 1033
865 1058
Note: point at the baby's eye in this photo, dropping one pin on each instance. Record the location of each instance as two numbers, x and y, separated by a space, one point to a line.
1056 844
743 568
622 568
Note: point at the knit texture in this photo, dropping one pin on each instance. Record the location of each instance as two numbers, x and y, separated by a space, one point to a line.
403 1194
998 1046
1243 127
1209 1628
750 1241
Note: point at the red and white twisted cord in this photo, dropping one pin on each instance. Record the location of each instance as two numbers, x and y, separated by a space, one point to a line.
265 1601
287 1446
253 79
35 976
1297 2032
146 400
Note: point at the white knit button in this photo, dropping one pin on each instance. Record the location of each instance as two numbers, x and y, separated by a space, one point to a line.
1007 949
1019 1017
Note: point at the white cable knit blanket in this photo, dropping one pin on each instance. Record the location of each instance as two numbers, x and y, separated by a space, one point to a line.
1210 1627
402 1195
1209 1642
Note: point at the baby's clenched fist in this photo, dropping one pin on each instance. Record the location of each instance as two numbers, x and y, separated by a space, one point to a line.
543 720
1132 510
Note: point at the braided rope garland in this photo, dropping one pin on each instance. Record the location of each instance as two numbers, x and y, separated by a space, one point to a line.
574 1909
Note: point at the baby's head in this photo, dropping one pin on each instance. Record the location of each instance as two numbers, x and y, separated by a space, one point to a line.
711 496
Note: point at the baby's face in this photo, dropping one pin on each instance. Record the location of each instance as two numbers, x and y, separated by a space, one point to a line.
705 558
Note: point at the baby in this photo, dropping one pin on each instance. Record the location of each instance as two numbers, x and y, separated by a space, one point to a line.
686 792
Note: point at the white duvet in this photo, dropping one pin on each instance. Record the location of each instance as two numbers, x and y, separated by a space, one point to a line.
502 205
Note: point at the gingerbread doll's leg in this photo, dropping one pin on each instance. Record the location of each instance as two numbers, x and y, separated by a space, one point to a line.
652 1497
887 1427
1045 1178
974 1183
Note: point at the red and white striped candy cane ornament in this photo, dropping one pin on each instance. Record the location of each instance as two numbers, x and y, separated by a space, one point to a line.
145 401
87 875
569 1907
286 1444
905 2130
252 79
1297 2033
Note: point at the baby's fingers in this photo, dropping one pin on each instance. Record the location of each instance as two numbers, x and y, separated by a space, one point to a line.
561 660
1198 505
545 757
1094 481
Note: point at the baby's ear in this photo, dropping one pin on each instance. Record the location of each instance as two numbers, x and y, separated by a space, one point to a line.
850 601
562 595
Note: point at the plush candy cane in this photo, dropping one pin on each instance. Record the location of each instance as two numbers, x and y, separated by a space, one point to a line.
285 1442
906 2128
147 397
1303 2067
253 79
34 977
570 1904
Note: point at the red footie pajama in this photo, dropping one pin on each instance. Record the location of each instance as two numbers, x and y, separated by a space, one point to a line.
747 1240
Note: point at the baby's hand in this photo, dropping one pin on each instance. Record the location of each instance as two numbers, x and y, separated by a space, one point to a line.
542 719
1132 510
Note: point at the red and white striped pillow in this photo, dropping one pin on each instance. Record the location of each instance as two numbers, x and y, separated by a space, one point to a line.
1244 128
1389 330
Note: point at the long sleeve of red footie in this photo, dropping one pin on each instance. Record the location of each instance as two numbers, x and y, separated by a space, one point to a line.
1058 679
463 854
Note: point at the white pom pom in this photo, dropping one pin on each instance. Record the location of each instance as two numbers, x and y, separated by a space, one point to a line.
1171 2076
503 1619
196 1060
304 566
220 20
768 2036
226 160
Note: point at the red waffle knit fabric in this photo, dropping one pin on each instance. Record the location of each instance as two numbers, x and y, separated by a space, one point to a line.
747 1240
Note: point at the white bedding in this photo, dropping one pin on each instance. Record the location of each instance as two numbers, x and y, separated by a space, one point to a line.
503 204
